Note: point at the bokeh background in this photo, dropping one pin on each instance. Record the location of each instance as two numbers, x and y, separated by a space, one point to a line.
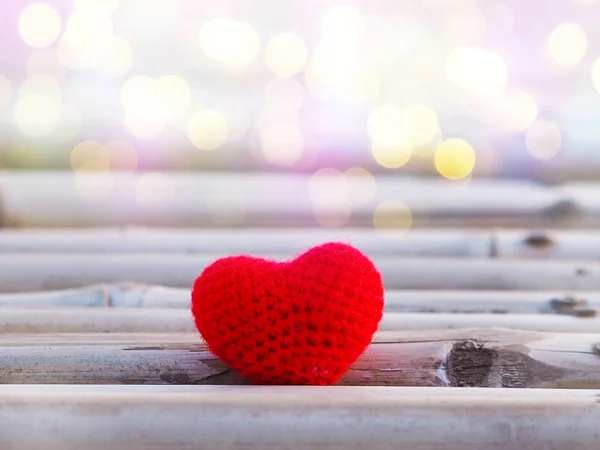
448 88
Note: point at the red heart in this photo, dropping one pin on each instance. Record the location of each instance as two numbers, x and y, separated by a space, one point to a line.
304 321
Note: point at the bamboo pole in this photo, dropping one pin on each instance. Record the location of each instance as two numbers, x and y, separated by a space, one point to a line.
233 199
89 296
263 418
37 272
504 243
475 357
113 320
257 241
132 295
583 245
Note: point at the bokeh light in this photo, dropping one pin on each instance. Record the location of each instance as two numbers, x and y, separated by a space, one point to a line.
154 190
343 23
87 39
388 126
123 156
455 159
328 184
38 106
361 185
543 140
117 60
90 156
341 84
39 25
229 42
393 216
568 43
335 71
391 157
423 125
208 129
176 94
473 69
149 103
516 111
286 54
328 190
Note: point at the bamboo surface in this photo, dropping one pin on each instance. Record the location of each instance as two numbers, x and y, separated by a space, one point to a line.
133 295
470 357
38 272
495 243
59 199
157 320
250 417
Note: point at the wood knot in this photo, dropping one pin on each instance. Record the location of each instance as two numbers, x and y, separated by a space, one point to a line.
469 364
571 306
539 240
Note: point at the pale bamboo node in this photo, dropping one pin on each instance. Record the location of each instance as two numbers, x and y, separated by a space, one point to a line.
58 199
267 417
287 242
158 320
469 357
40 271
133 295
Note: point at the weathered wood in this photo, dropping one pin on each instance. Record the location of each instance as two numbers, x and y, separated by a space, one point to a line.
132 295
37 272
267 417
475 357
54 199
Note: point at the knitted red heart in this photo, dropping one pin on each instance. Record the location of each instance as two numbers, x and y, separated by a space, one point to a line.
304 321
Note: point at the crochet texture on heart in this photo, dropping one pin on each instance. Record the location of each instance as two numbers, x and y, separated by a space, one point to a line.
303 321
